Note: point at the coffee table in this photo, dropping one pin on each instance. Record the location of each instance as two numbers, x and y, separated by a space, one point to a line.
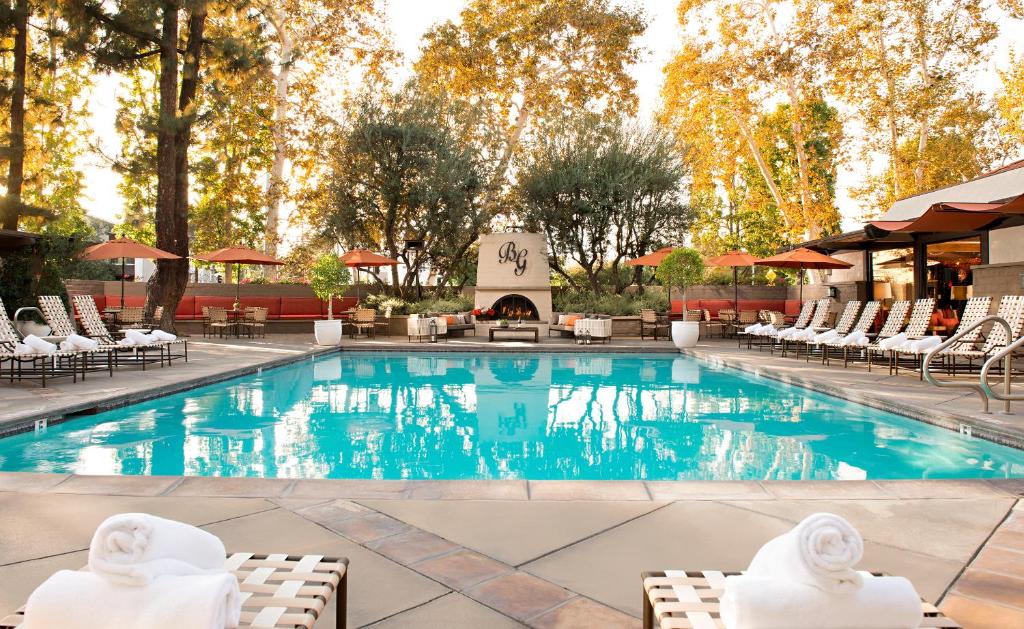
512 329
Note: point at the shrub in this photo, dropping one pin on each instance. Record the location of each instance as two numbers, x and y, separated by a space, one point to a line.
382 302
329 277
683 268
453 303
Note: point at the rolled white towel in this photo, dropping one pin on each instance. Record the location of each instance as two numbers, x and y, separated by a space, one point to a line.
753 602
826 336
807 335
854 339
821 551
74 599
81 342
38 345
23 350
135 548
923 346
767 330
788 333
139 338
753 329
126 342
893 341
160 335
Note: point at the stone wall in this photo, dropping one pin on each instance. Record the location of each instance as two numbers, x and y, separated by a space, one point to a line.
996 280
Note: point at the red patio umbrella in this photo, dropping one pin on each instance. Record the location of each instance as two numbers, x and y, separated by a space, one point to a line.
364 257
735 259
651 259
803 258
125 248
239 256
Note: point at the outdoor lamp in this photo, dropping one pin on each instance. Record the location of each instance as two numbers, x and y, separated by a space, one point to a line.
432 326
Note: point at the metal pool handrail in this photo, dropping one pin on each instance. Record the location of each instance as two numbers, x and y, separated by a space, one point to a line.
1005 354
982 391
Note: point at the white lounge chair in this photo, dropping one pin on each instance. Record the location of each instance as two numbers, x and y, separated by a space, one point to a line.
976 309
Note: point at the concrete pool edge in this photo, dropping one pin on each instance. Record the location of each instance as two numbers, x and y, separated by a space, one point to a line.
312 490
27 421
955 422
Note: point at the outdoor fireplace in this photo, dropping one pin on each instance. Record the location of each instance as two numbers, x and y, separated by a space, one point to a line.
515 307
513 277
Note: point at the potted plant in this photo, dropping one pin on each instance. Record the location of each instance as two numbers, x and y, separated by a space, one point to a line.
328 277
683 267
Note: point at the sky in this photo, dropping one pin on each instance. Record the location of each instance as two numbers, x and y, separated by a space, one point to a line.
410 19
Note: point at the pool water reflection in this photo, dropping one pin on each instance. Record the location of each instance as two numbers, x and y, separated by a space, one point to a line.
506 416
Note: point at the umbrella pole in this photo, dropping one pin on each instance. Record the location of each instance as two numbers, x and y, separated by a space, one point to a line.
736 289
238 285
122 283
801 285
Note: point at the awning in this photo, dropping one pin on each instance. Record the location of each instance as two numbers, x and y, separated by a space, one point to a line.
955 218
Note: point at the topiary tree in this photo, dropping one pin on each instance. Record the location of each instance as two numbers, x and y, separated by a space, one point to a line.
683 268
329 277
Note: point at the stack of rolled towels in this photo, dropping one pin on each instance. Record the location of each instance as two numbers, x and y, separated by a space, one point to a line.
144 572
32 344
138 337
805 579
77 342
901 342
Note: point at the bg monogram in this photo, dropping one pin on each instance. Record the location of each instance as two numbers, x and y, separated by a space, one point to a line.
509 253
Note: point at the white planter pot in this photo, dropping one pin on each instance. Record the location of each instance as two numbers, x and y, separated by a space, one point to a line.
327 332
685 333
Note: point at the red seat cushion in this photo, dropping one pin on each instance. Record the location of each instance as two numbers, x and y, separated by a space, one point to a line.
130 301
793 307
677 306
101 301
211 302
272 304
300 308
714 305
186 308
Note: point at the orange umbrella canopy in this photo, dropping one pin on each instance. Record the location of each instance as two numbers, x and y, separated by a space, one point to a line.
238 255
733 258
651 259
364 257
803 258
125 248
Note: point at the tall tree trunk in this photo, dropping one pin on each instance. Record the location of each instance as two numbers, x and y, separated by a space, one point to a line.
275 185
762 166
811 228
511 142
168 283
16 138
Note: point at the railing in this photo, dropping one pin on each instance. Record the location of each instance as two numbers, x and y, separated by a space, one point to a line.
982 388
1006 355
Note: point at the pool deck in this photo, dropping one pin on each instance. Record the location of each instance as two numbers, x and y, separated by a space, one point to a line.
459 554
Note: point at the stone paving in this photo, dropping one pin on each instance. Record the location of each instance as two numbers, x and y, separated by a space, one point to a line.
538 554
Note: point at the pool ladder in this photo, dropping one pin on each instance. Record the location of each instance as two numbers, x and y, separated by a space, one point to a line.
983 388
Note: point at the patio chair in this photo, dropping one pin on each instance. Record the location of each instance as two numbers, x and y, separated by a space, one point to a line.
746 319
867 319
651 323
61 363
712 325
821 312
206 320
62 326
674 599
896 320
842 327
132 317
277 590
802 321
94 328
976 309
727 317
363 321
1011 309
255 321
219 322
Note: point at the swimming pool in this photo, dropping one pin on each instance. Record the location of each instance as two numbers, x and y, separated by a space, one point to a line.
536 416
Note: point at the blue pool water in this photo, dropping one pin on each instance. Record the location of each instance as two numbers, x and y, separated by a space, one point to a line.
505 416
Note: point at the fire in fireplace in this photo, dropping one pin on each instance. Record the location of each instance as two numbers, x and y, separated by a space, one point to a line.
515 307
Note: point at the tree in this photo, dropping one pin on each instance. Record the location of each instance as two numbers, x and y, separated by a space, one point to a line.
402 172
739 55
1010 100
524 63
329 277
119 35
919 54
308 37
602 192
683 268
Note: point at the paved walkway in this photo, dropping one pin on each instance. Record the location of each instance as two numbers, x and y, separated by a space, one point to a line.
554 555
